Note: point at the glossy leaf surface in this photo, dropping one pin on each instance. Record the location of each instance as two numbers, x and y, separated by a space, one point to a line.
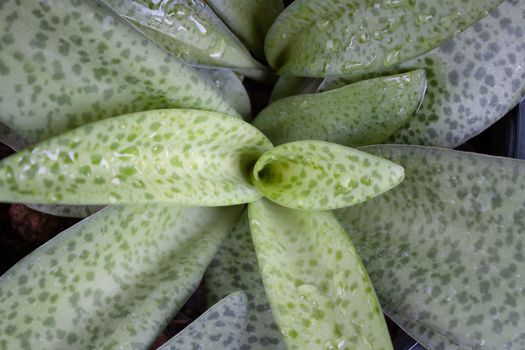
330 37
220 327
318 175
319 291
233 268
111 281
367 112
167 156
445 249
68 63
188 29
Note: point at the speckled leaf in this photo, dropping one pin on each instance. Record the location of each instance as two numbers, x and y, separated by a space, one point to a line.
175 156
319 291
288 85
111 281
11 138
231 87
248 19
321 175
445 249
187 28
364 113
327 37
72 62
220 327
233 268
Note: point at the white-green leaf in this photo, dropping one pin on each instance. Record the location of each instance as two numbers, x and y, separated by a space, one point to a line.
111 281
319 291
187 28
231 87
318 175
364 113
70 211
446 249
67 63
175 156
248 19
329 37
220 327
233 268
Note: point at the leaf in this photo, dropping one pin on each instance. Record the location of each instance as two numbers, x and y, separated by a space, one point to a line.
329 37
11 138
367 112
187 28
231 87
175 156
248 19
320 293
111 281
318 175
445 249
70 211
233 268
288 85
220 327
68 63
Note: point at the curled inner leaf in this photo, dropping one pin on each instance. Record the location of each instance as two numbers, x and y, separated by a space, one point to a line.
322 175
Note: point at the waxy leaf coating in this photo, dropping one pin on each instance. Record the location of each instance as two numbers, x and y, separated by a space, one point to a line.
111 281
318 175
446 249
220 327
319 291
367 112
176 156
67 63
330 37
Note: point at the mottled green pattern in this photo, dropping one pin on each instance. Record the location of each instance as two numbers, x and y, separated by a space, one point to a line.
167 156
446 249
111 281
320 175
327 37
319 290
72 62
11 138
220 327
188 29
288 85
70 211
364 113
248 19
235 268
231 87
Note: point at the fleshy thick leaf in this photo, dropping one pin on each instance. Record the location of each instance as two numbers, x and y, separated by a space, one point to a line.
11 138
221 327
366 112
329 37
187 28
321 175
248 19
445 249
68 63
288 85
111 281
231 87
175 156
320 293
233 268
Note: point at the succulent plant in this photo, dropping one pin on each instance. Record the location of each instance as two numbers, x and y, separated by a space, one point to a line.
138 106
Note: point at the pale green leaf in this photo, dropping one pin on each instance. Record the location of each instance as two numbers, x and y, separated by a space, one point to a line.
327 37
187 28
231 87
319 291
175 156
321 175
111 281
364 113
248 19
288 85
233 268
220 327
445 249
67 63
